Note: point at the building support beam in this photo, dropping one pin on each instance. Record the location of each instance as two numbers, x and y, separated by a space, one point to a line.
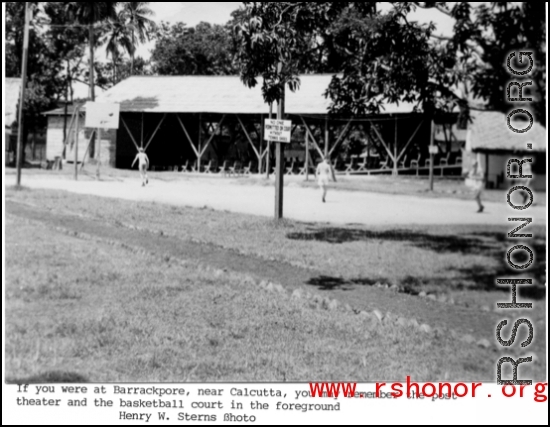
308 131
129 133
248 137
155 132
188 137
340 137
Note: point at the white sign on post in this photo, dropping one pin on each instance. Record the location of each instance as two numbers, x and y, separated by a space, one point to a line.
102 115
277 130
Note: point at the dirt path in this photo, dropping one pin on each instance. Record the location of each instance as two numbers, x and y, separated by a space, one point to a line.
302 204
464 320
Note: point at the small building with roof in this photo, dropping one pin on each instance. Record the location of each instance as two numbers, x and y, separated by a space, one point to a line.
489 136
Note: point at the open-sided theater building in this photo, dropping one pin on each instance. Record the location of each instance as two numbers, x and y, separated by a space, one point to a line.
208 123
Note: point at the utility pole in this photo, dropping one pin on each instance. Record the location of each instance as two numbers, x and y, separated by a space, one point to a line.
268 160
98 153
432 129
279 153
77 131
19 160
91 90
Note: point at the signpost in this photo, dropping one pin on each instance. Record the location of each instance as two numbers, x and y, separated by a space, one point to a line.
432 150
278 131
101 116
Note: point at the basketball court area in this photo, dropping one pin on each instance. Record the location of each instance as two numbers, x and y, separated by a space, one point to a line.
302 204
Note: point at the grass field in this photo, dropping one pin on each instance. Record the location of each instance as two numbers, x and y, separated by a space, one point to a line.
438 259
80 308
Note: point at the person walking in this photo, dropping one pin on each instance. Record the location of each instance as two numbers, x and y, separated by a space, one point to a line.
323 173
476 181
143 165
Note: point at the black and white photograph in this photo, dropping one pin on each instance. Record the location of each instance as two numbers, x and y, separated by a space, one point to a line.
273 192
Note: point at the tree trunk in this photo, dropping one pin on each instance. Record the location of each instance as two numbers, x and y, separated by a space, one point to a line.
91 77
114 72
132 53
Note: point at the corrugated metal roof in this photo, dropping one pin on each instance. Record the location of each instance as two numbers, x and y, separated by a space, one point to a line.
218 94
489 132
12 89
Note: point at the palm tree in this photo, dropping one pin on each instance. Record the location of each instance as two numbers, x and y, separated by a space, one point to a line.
118 37
90 14
136 15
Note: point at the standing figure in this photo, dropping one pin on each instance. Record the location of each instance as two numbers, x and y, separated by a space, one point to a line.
323 173
143 165
476 181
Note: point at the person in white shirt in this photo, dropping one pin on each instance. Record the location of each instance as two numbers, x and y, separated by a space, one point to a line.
143 165
323 173
476 181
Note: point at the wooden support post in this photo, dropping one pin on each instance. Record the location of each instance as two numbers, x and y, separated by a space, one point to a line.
203 150
129 133
248 136
280 166
340 137
90 142
154 133
326 137
486 168
410 140
306 163
98 152
141 140
308 131
395 172
383 142
200 142
77 130
432 128
188 137
67 136
268 159
260 161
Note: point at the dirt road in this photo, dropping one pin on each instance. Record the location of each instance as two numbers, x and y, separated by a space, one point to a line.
302 204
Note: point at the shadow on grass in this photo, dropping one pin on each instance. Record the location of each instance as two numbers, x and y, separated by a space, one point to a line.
328 283
49 377
436 242
492 246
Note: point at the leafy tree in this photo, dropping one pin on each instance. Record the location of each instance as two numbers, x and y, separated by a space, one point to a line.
271 41
135 16
501 28
44 83
383 56
118 39
108 75
90 14
68 44
206 49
